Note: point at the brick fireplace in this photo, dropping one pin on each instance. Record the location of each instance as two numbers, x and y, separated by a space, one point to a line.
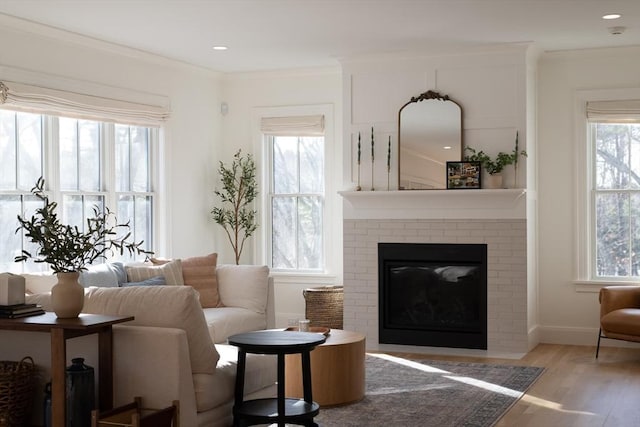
496 218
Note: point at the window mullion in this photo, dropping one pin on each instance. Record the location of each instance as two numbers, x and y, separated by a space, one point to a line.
16 143
297 199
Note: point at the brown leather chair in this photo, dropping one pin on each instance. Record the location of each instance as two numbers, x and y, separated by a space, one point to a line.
619 314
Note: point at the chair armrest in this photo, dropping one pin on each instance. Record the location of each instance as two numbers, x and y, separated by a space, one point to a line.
617 297
153 362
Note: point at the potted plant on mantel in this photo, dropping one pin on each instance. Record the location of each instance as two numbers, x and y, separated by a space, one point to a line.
494 167
68 250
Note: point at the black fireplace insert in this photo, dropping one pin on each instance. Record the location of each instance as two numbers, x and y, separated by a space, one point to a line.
433 294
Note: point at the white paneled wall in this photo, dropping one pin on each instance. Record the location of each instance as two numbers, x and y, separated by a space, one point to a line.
494 89
491 88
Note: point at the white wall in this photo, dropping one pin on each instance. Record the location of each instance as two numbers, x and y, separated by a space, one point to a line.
246 94
490 86
40 55
569 313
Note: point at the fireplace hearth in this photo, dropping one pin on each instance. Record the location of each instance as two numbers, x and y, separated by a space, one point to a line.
433 294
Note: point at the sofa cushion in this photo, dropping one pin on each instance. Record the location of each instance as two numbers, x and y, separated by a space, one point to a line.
244 286
163 306
200 273
172 272
38 283
226 321
214 390
624 321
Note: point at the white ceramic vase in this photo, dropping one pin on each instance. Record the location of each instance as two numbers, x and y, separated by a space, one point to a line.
67 296
492 181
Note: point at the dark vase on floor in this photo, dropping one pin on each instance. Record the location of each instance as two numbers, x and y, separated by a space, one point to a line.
46 409
80 393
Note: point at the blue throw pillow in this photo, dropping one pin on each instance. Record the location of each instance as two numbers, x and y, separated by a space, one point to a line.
119 270
98 275
154 281
107 275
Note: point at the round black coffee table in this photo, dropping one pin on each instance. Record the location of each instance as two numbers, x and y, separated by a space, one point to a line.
280 410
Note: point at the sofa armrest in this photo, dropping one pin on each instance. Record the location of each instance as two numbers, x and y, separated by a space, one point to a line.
154 363
617 297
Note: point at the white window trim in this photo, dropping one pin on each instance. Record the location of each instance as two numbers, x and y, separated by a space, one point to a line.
330 255
583 238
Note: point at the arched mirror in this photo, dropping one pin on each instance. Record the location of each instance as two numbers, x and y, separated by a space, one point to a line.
429 135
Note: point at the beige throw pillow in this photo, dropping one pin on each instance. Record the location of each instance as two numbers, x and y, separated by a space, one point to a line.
172 272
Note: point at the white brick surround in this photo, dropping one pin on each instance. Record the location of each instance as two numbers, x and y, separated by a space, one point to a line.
506 240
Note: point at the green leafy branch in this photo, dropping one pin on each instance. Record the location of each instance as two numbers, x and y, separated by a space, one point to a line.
491 165
66 248
239 189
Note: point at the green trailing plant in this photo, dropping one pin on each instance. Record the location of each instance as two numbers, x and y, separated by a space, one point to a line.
239 189
497 164
66 248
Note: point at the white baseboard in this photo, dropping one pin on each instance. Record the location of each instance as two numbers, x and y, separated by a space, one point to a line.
577 336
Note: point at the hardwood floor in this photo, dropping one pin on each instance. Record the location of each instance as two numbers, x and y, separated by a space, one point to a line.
576 390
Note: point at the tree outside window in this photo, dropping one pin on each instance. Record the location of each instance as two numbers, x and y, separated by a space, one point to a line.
616 199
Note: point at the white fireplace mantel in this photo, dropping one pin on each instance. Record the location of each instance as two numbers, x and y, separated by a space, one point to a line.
435 204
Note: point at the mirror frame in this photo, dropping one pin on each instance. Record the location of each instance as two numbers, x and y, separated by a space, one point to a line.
430 94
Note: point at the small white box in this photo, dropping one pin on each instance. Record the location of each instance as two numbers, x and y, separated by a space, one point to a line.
11 289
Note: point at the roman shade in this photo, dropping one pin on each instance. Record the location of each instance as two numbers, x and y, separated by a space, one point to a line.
624 110
35 99
293 126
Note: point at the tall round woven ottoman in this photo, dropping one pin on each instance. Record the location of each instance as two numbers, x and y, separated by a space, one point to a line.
324 306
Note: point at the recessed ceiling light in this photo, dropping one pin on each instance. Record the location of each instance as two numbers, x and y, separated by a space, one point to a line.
220 48
612 16
447 147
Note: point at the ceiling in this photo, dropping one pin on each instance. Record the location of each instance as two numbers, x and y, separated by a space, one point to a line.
278 34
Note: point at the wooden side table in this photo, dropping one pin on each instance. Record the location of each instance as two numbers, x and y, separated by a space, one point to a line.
61 330
280 410
337 369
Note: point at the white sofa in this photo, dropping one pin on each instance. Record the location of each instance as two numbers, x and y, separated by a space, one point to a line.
168 351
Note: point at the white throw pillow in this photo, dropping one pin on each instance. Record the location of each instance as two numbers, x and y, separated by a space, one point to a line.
244 286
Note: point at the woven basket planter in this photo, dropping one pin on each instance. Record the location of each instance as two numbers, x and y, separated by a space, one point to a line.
324 306
16 391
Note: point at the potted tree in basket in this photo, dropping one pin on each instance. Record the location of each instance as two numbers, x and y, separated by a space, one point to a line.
69 250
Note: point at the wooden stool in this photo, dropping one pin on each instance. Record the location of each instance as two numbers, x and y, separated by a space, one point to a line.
131 415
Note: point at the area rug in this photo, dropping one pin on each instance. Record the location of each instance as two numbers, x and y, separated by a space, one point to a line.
403 392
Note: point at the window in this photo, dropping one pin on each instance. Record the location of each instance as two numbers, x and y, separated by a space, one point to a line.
615 199
294 150
85 163
607 233
297 202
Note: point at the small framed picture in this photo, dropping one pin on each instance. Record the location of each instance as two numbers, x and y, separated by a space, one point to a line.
463 175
